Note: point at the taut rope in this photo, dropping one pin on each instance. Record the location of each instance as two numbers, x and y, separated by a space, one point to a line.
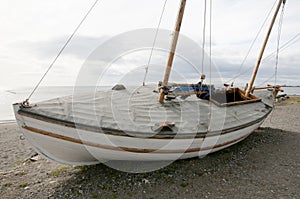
26 102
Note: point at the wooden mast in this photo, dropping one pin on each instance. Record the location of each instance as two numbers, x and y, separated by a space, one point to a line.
172 51
250 86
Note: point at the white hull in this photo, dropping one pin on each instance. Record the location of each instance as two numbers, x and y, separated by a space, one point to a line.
68 145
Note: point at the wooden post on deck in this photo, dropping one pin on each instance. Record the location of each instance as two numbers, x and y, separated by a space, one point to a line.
172 51
250 86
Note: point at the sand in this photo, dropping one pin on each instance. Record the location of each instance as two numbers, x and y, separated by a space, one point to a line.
265 165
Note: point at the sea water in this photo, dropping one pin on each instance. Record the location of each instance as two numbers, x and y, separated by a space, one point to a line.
9 97
291 90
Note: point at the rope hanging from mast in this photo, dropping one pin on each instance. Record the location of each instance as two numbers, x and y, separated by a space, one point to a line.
154 41
239 73
202 76
286 45
253 77
283 47
210 46
26 102
278 43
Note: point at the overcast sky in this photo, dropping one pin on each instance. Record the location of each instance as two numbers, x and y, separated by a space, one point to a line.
33 31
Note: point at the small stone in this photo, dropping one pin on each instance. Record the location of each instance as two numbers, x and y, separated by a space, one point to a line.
145 181
34 158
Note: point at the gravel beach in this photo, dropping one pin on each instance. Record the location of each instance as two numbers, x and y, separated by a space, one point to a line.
265 165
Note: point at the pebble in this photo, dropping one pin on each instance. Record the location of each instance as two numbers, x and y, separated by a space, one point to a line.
145 181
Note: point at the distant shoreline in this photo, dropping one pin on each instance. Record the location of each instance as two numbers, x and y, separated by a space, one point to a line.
290 86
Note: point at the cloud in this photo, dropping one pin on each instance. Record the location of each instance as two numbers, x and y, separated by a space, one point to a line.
39 30
79 47
134 63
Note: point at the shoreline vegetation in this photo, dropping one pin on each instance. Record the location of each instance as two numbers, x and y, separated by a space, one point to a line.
265 165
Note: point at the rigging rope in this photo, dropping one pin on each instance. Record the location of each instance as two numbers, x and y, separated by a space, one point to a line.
210 67
267 80
61 50
289 43
278 48
203 39
283 47
154 41
210 46
278 42
251 46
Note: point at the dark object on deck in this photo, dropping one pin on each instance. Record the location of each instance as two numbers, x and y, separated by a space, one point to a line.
118 87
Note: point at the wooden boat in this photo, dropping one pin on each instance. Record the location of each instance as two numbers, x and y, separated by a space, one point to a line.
148 123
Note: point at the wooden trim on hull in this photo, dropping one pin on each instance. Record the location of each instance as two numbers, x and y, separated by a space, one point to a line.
115 132
133 150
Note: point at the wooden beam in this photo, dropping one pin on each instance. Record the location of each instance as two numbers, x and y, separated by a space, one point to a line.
173 48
